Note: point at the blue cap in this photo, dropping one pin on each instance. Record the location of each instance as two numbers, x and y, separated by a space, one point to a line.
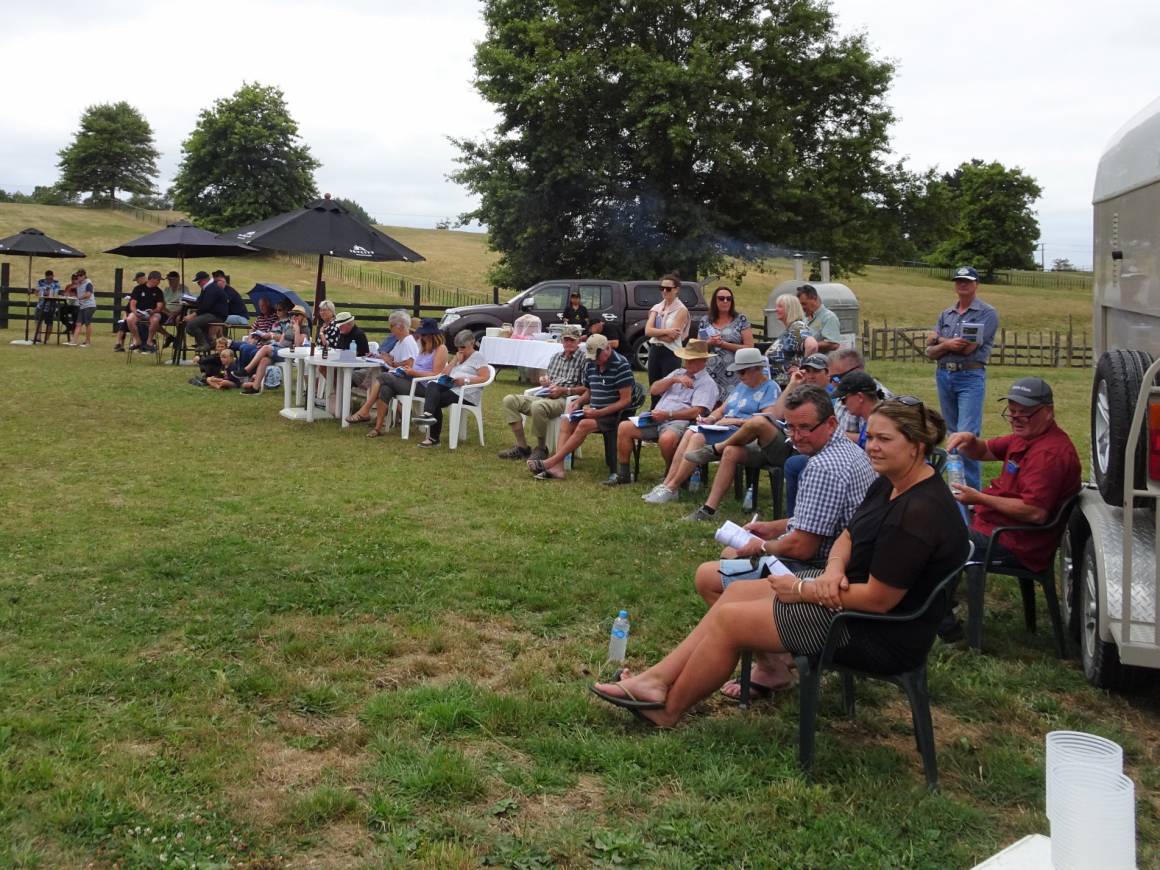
623 613
966 273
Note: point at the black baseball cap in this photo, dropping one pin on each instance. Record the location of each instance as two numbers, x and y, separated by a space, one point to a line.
138 275
816 361
201 276
856 382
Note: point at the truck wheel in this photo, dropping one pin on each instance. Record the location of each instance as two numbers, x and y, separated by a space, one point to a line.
1067 565
1101 660
640 354
1117 384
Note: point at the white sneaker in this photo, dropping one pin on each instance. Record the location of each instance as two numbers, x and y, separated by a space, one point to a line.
663 494
656 489
70 344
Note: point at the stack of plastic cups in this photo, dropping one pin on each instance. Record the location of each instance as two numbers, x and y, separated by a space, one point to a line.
1090 803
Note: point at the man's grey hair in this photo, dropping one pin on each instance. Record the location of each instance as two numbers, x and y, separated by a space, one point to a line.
400 318
847 354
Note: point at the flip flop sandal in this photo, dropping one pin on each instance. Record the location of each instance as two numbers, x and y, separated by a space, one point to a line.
628 701
543 475
536 466
357 418
374 433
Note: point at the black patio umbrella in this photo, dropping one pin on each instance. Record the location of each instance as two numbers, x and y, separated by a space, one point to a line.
33 243
183 240
325 228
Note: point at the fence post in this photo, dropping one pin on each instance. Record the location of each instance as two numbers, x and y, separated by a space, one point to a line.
118 282
495 296
1070 337
4 297
415 294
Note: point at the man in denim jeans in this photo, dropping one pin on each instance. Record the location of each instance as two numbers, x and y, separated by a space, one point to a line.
961 346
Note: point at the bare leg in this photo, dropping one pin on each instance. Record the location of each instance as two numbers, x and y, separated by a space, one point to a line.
575 438
669 442
742 619
680 470
625 435
372 397
726 469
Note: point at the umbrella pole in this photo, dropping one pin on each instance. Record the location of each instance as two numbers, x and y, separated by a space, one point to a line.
319 290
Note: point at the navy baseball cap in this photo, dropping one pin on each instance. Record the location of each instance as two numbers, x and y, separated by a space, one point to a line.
1030 392
966 273
817 361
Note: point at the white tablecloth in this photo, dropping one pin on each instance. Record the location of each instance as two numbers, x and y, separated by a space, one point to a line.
528 353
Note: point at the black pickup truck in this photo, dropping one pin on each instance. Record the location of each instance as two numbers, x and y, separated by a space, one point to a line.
628 301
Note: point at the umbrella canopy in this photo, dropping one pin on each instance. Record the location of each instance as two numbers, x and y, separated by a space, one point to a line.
325 228
183 240
33 243
277 293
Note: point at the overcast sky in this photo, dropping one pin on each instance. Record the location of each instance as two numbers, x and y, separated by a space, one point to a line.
378 86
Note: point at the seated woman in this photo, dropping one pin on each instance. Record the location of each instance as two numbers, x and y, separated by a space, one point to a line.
795 343
400 355
431 358
907 535
291 333
463 372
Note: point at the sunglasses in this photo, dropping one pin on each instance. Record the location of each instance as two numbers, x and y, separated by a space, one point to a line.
911 402
724 298
667 289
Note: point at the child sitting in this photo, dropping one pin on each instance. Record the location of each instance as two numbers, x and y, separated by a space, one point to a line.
230 376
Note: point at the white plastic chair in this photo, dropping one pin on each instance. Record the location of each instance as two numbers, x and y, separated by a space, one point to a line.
458 422
402 409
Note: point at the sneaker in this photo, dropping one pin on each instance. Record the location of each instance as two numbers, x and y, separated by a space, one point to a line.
950 630
250 391
656 489
539 453
70 344
425 420
515 452
197 382
661 495
147 348
427 442
119 348
83 344
616 480
702 514
702 455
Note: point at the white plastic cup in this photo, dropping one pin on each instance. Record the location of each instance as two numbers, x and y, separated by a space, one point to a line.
1094 824
1078 746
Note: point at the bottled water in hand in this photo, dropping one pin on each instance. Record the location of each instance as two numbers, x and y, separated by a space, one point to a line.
956 474
618 639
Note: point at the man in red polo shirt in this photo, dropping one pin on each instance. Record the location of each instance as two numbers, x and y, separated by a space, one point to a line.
1041 471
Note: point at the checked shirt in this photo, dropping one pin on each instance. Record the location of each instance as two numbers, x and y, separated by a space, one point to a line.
831 488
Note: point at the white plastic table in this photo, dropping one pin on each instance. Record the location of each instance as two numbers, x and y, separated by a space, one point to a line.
334 366
525 352
293 367
1033 852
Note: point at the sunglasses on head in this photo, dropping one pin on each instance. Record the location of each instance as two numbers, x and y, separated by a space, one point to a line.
911 402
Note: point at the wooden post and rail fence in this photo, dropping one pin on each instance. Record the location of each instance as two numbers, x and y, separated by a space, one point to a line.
1043 348
110 308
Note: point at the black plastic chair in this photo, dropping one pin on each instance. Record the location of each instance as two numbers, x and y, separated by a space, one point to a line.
913 682
938 459
977 584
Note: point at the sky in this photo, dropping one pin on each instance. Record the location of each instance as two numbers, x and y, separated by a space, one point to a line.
378 86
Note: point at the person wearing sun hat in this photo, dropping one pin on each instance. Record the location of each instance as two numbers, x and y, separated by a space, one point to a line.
1040 471
685 394
350 333
960 345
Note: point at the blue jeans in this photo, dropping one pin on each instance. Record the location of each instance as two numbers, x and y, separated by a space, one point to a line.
960 396
791 471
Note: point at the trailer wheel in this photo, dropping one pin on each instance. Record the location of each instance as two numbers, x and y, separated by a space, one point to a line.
639 356
1117 384
1101 659
1067 565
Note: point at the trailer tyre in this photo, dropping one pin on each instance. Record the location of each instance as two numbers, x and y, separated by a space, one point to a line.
1069 558
1117 384
1101 659
639 357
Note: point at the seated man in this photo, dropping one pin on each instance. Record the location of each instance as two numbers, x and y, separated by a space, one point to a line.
267 318
1041 471
121 327
686 394
564 378
755 393
212 307
859 394
833 485
350 333
607 325
607 394
842 362
236 312
146 311
172 293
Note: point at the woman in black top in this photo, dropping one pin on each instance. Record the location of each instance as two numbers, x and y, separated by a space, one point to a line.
575 312
907 535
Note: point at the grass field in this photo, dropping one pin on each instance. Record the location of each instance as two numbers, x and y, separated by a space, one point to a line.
227 639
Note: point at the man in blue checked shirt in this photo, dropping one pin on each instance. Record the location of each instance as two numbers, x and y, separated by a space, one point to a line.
961 346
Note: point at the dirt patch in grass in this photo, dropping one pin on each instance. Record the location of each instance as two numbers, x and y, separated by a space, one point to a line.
339 845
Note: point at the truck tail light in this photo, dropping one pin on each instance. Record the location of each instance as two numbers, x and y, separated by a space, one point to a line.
1154 441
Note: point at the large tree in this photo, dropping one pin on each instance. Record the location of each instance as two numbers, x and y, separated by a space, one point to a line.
994 226
638 137
113 150
243 162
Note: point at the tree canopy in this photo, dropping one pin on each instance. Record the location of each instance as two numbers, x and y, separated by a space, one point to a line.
243 162
993 225
640 137
113 150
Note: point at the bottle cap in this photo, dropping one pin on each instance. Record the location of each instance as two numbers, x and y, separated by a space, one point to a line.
623 613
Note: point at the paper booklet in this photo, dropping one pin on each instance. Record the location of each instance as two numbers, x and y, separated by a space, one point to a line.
543 392
641 422
972 332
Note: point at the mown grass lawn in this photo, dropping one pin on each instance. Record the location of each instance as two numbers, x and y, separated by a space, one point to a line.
230 639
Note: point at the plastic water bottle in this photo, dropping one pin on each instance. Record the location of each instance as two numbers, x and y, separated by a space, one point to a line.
568 462
618 639
747 502
695 480
956 475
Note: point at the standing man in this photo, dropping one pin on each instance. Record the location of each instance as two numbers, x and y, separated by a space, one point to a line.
823 322
961 346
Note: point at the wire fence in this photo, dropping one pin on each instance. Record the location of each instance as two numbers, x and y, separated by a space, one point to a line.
1009 277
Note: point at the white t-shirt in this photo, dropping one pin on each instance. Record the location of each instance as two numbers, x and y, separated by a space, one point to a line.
470 368
405 349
